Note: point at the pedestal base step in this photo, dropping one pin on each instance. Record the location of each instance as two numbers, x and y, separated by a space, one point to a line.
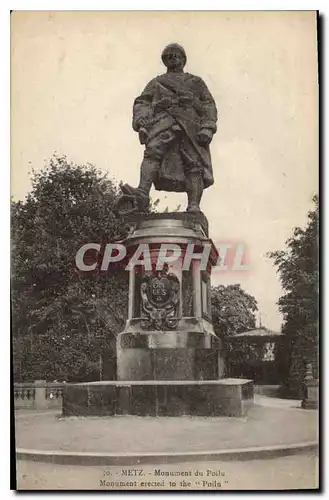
230 397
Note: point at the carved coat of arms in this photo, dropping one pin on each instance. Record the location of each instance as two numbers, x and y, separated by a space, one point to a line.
159 301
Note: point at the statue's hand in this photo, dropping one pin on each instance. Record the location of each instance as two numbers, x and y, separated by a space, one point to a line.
204 137
162 104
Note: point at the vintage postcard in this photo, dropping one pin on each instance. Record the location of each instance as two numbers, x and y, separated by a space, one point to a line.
164 232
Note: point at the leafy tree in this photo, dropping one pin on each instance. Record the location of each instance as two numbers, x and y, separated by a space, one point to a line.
299 275
233 310
62 321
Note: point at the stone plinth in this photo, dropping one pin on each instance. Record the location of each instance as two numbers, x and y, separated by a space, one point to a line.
170 337
311 389
311 398
178 355
229 397
169 360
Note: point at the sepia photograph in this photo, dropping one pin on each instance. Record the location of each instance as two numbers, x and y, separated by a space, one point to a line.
165 250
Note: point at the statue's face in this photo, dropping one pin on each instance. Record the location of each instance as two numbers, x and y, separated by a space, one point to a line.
174 59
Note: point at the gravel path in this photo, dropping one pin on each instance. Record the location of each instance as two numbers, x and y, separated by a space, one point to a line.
264 426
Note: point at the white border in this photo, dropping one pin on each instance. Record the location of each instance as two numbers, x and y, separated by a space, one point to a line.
5 6
167 5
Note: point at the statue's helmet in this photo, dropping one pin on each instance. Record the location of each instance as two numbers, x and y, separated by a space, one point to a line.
173 47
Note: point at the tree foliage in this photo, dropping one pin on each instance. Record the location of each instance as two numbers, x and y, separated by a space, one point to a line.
65 323
233 310
299 274
62 320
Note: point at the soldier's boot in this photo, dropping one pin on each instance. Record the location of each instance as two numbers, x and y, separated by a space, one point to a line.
194 189
148 172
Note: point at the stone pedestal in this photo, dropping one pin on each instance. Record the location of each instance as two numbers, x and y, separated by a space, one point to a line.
209 398
169 333
311 390
40 399
169 360
311 398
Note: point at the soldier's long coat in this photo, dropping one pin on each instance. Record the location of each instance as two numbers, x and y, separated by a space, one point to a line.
191 108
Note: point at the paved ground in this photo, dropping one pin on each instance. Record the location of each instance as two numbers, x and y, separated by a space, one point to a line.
293 472
279 423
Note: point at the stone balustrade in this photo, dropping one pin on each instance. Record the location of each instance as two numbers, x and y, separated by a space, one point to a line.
38 395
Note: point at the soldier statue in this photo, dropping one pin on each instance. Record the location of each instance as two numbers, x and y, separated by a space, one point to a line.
175 117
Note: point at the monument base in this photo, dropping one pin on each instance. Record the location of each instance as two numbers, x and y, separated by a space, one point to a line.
179 355
170 362
211 398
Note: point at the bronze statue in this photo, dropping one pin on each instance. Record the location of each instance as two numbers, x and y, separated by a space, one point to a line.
175 117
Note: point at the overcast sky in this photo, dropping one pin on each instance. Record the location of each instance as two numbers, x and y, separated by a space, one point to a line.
74 79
